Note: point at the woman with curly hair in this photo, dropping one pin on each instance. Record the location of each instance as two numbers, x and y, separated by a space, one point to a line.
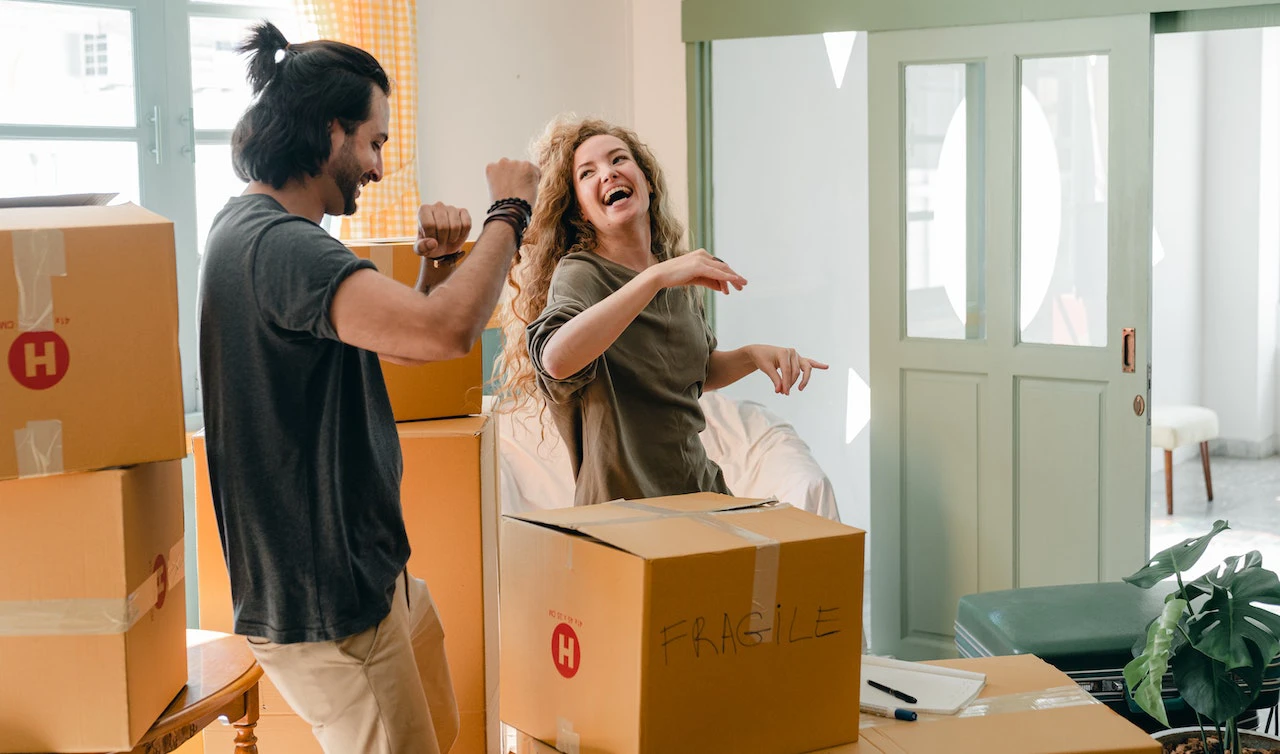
605 327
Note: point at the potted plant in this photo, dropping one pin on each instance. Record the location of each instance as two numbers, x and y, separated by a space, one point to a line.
1215 637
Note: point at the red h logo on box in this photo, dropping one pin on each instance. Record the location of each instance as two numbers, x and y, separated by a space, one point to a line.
39 360
566 652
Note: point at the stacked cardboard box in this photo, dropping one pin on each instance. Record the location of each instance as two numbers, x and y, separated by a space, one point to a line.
92 614
450 502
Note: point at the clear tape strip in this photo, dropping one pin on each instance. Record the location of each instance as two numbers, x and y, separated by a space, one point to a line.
566 740
38 255
92 616
1041 699
38 447
764 583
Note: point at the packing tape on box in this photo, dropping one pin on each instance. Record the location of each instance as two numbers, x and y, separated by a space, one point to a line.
566 740
90 616
1040 699
764 584
39 448
38 255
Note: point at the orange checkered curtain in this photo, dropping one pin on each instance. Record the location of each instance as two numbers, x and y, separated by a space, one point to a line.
388 30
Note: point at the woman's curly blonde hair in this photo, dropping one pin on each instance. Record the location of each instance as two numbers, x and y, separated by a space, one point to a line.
558 229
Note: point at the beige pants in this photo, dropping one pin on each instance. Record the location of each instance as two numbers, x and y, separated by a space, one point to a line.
385 690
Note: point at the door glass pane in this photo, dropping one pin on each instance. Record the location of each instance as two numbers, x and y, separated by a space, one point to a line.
37 168
220 92
216 182
66 65
1063 206
944 212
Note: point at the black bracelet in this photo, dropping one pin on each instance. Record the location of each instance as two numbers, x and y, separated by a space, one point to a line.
448 260
516 225
513 201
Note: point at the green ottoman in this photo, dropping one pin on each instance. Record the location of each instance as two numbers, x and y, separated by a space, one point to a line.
1088 631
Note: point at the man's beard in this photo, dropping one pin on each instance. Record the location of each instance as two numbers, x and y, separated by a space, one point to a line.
346 175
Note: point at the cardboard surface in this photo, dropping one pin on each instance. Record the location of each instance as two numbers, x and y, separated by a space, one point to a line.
1087 729
449 494
430 391
637 629
89 373
93 676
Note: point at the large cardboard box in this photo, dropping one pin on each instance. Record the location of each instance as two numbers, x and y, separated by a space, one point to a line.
449 494
667 625
1020 720
430 391
89 373
92 610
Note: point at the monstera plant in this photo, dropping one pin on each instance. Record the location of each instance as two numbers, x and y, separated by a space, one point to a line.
1214 633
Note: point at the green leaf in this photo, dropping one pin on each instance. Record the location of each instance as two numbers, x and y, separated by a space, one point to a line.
1230 621
1180 557
1211 689
1145 672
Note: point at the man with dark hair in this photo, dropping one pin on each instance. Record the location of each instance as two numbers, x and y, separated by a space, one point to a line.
304 457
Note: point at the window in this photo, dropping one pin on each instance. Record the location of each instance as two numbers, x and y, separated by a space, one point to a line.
95 55
136 98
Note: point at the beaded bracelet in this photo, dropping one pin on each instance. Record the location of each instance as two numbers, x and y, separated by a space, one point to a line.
513 201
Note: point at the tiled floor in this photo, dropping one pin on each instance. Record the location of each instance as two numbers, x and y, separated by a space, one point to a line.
1246 494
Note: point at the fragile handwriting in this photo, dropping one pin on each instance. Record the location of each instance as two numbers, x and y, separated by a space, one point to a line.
730 633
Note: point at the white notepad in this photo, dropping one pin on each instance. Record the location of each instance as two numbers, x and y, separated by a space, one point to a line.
938 690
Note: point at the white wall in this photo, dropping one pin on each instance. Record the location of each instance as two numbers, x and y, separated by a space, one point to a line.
1217 213
1177 307
659 89
494 72
1237 371
790 185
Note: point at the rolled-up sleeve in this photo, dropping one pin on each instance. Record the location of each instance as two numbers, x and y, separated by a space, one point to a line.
574 288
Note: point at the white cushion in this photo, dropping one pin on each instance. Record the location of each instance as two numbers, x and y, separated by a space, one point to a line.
761 455
1175 426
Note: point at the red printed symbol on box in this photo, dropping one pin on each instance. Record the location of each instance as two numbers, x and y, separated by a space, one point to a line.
162 583
38 360
566 652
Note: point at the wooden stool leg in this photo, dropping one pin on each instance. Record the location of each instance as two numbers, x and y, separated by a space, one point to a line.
246 739
1168 481
1208 480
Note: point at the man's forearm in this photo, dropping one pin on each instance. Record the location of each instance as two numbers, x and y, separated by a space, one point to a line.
430 276
470 292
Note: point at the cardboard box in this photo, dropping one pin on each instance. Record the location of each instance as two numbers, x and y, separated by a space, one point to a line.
449 494
664 626
1084 729
89 373
92 610
431 391
1087 729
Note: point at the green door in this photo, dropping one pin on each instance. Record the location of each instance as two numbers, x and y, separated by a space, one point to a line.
1010 177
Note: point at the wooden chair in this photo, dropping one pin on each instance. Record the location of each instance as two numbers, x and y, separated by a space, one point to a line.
1175 426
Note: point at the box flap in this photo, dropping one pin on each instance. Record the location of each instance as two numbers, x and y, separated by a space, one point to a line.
459 427
62 218
682 525
61 200
572 518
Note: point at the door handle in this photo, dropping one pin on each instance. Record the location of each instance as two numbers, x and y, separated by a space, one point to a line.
157 129
1128 349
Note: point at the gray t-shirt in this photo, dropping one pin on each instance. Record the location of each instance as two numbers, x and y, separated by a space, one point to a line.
304 457
631 418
